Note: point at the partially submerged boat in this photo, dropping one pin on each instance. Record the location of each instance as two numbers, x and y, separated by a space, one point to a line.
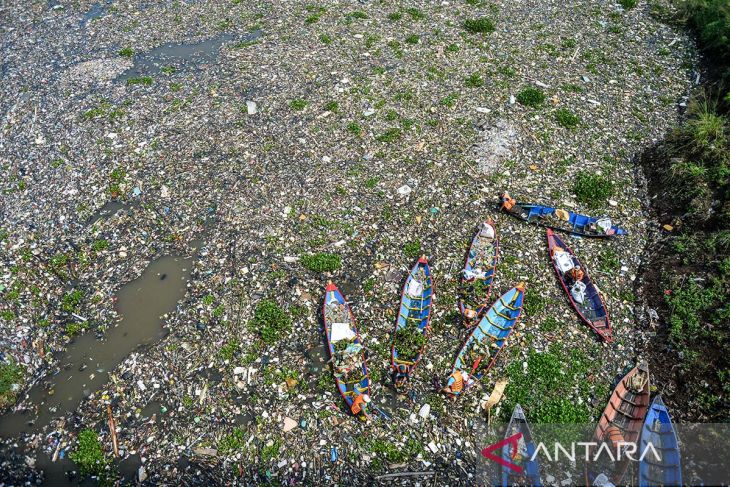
477 276
519 452
412 323
582 293
560 219
345 346
485 341
621 422
658 430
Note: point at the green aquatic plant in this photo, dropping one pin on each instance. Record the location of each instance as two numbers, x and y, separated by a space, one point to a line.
321 262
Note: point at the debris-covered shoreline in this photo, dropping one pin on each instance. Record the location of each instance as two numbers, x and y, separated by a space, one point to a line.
375 132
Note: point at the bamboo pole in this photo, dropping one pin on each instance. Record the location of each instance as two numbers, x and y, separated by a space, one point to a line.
113 430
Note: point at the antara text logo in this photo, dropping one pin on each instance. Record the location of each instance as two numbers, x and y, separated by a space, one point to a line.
623 450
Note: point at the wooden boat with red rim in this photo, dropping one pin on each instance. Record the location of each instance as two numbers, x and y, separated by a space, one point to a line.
592 310
621 421
339 327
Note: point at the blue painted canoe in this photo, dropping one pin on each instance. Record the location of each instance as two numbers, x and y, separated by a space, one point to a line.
563 220
487 338
351 375
522 454
659 431
586 300
477 275
415 310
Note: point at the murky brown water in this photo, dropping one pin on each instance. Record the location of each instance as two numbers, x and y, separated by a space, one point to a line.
87 361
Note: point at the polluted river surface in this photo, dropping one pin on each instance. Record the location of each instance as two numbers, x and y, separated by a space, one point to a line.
87 361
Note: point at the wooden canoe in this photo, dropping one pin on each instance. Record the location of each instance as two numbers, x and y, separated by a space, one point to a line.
659 431
622 420
488 337
566 221
477 275
592 310
414 311
521 455
339 326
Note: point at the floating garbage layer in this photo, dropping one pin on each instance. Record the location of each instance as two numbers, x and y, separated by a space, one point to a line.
344 142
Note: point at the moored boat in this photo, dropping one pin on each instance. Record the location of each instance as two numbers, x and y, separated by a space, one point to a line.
477 276
346 350
519 452
560 219
661 464
412 323
582 292
485 341
620 422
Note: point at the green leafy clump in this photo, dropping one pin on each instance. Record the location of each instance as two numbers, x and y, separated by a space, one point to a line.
116 178
369 284
89 455
332 106
474 80
449 100
228 350
99 245
269 322
232 442
531 97
10 373
413 39
415 13
409 340
354 128
326 39
481 25
550 386
412 249
609 261
386 452
627 4
711 20
321 262
390 135
566 118
592 189
71 301
127 52
270 451
533 303
689 304
298 104
140 80
549 324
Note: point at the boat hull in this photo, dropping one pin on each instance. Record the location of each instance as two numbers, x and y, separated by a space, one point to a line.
414 309
593 309
489 336
335 300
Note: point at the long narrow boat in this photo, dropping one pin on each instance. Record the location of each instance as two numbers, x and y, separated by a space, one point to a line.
559 219
478 273
659 431
582 293
485 341
413 322
345 346
522 454
621 421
